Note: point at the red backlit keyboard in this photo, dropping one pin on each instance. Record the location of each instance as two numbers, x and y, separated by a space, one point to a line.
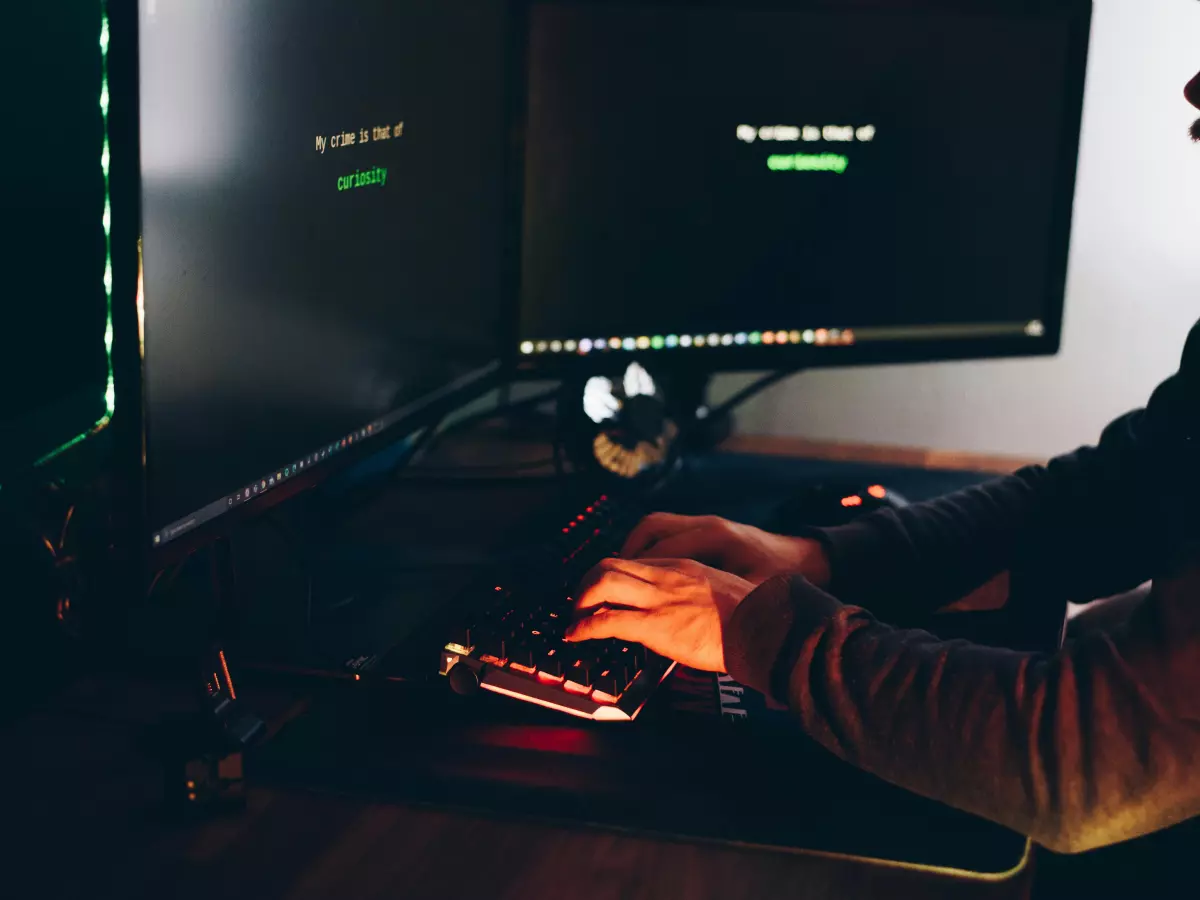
510 641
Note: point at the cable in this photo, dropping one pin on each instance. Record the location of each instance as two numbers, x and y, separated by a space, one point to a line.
470 421
499 468
485 480
422 443
756 387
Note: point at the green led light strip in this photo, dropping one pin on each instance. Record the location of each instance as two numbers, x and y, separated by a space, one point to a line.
110 398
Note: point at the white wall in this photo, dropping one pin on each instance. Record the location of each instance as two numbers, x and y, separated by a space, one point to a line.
1133 284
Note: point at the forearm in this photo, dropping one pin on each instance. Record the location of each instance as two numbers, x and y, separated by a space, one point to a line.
1084 526
1087 747
914 560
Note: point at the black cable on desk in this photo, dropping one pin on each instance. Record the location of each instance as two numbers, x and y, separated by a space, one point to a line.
498 468
468 422
750 390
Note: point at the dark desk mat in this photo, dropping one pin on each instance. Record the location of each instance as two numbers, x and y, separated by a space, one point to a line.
690 767
683 769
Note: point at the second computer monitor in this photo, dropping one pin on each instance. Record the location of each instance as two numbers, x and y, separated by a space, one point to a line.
809 183
322 209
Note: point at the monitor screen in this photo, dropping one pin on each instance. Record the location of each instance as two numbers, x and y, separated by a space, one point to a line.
711 175
322 199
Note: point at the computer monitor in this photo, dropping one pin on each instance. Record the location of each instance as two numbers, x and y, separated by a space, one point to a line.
773 185
322 203
55 362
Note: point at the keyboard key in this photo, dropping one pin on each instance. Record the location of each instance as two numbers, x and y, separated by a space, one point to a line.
581 672
610 682
633 655
492 645
523 655
556 662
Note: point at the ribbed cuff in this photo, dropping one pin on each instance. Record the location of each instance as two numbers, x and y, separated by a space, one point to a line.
855 552
778 615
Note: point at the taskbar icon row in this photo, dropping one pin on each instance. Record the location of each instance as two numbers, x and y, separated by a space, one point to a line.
820 337
279 476
262 485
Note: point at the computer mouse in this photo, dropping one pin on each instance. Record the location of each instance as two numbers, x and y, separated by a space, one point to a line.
832 503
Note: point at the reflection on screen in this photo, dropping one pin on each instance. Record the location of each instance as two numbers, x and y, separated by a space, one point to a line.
321 232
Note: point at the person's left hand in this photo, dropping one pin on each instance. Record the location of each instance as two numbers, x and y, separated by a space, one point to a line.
676 608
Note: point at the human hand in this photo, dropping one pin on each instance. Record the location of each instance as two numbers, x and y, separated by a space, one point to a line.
750 553
676 608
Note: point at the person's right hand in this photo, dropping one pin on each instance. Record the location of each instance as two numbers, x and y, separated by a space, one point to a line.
741 550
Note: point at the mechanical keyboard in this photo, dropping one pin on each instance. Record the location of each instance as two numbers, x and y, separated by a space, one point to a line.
509 638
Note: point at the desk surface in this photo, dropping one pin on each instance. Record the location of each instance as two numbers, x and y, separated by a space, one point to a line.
85 790
84 794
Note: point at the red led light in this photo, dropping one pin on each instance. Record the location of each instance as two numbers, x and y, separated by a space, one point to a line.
877 491
591 509
601 697
852 501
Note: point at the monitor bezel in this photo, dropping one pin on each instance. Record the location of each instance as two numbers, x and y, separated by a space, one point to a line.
806 356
